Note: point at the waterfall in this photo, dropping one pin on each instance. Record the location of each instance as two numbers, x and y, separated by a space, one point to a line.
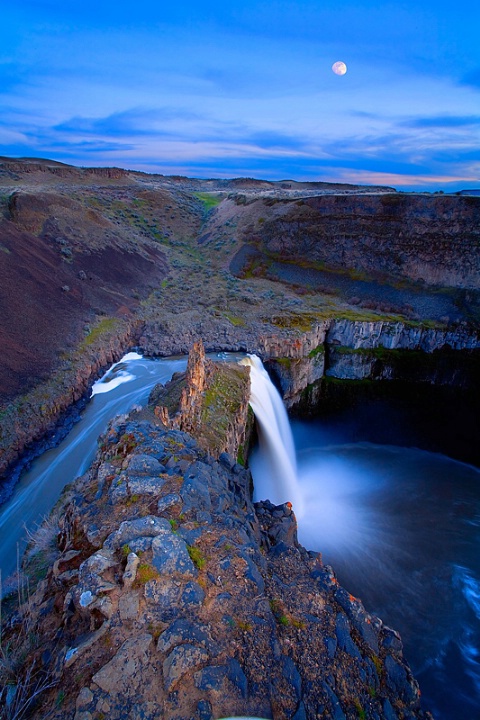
277 480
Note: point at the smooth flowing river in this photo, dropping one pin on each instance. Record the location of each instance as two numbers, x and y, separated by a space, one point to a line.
127 383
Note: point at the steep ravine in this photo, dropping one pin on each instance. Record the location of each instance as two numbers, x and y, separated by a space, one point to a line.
94 261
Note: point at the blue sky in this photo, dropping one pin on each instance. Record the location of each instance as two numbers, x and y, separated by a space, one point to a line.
245 88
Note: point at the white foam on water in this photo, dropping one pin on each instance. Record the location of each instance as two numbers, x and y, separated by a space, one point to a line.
130 356
116 375
103 386
470 589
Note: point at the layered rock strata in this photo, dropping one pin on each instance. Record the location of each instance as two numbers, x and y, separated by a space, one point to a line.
367 350
431 239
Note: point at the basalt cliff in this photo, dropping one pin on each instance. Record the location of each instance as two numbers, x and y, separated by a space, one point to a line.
169 594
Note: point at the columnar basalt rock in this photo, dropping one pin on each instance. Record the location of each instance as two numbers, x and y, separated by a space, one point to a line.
209 400
359 350
188 416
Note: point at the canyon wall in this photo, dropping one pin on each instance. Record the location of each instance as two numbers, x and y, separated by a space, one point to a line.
343 349
41 417
432 239
359 350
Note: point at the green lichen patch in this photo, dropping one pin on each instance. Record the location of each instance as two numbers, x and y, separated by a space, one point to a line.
320 350
103 327
235 319
295 321
226 394
196 556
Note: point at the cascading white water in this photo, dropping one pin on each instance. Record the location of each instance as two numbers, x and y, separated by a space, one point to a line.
278 482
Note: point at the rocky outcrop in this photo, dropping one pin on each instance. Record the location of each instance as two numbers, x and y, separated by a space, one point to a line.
442 367
29 166
173 596
295 375
210 400
188 415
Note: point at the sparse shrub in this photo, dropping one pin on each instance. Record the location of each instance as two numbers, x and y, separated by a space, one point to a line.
196 556
155 630
378 665
299 624
145 573
244 625
42 546
360 711
126 444
22 678
241 455
173 524
279 612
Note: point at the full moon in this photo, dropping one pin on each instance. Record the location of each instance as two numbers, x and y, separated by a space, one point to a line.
339 68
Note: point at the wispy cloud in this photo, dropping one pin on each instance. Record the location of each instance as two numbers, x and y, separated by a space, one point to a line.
137 121
444 121
418 182
244 88
94 146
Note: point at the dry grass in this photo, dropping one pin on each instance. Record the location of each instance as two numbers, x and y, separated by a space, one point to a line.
23 679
